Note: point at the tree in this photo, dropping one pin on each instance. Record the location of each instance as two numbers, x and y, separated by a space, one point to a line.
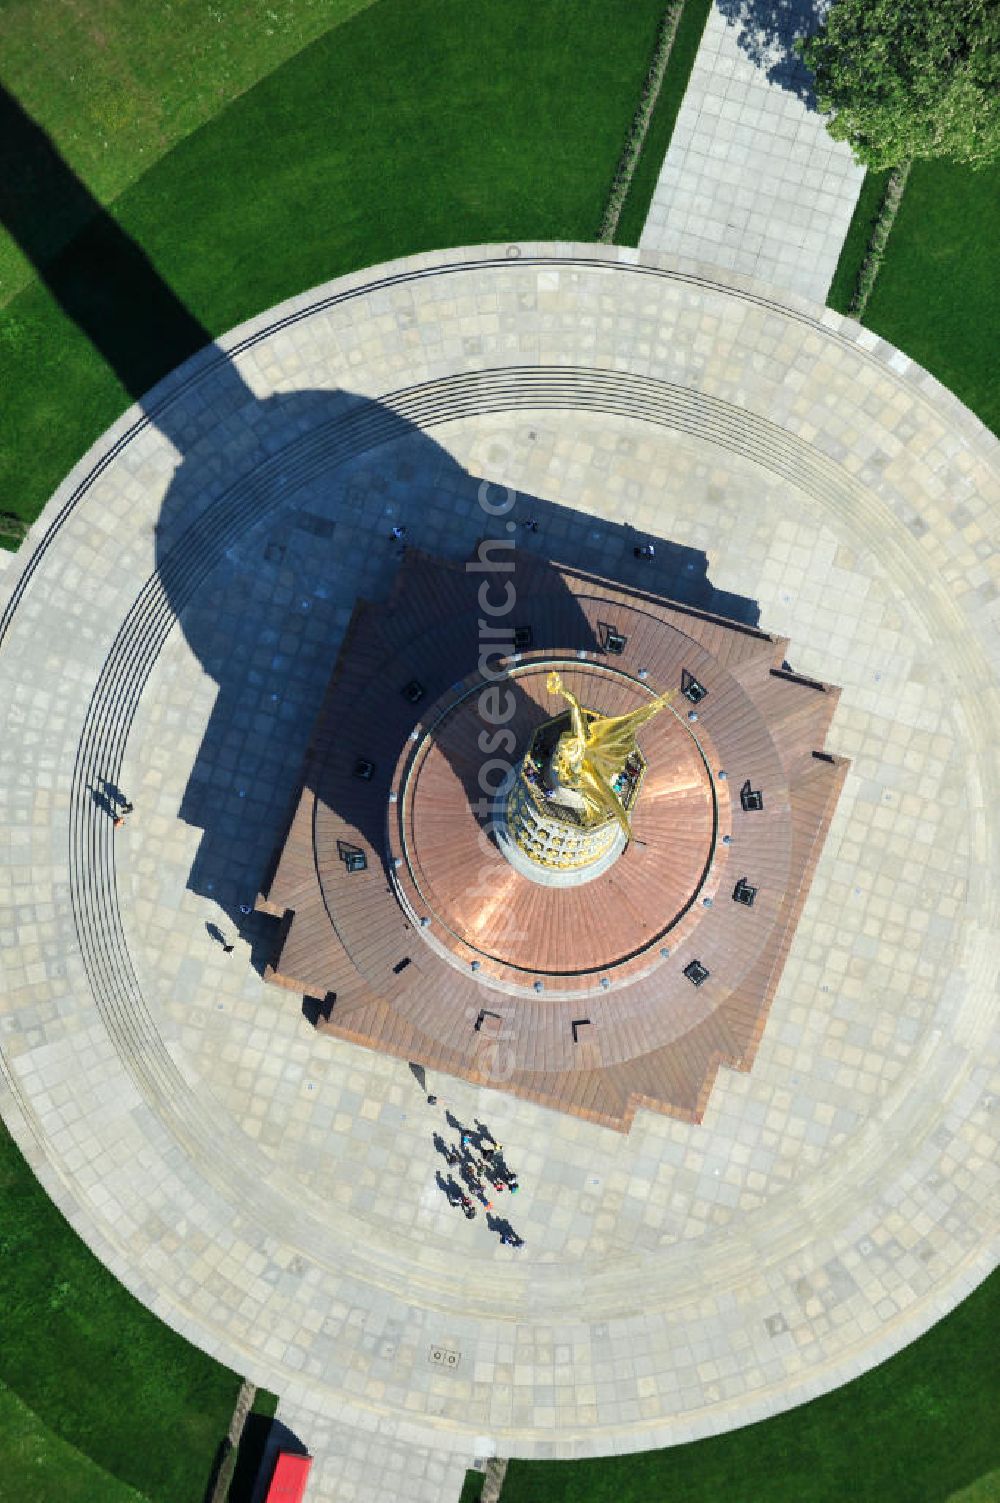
910 78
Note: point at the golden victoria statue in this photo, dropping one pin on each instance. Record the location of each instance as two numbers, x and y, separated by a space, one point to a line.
589 756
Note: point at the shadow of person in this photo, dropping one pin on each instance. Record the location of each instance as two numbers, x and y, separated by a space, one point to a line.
448 1187
504 1230
104 802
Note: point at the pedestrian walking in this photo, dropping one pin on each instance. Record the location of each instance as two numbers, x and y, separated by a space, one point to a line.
245 909
399 533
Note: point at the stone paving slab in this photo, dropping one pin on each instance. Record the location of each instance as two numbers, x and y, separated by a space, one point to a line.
752 182
272 1194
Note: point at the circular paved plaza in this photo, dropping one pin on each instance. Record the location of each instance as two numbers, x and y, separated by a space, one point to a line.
169 630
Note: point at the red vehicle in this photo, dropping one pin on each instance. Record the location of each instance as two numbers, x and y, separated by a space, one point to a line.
291 1473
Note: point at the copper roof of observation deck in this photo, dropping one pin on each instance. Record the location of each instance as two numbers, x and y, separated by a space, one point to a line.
580 998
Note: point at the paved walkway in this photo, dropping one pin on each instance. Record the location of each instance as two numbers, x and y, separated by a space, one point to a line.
751 182
169 628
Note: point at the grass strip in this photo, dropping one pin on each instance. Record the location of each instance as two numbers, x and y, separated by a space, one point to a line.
856 241
481 123
938 294
661 128
99 1371
917 1429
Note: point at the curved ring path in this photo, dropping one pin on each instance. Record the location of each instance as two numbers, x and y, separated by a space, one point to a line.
169 628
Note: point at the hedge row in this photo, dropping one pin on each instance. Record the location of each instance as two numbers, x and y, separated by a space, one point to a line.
869 270
639 124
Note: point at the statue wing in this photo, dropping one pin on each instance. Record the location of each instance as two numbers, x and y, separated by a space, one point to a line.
607 744
612 739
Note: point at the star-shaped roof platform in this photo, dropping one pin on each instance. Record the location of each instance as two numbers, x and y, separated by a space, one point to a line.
403 919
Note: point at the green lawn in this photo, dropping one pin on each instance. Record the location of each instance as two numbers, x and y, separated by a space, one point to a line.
661 128
937 295
118 84
92 1383
921 1428
415 124
37 1465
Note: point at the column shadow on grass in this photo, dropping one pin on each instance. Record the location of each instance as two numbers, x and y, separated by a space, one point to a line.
100 278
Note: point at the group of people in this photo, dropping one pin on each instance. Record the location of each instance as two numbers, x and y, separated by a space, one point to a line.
478 1160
